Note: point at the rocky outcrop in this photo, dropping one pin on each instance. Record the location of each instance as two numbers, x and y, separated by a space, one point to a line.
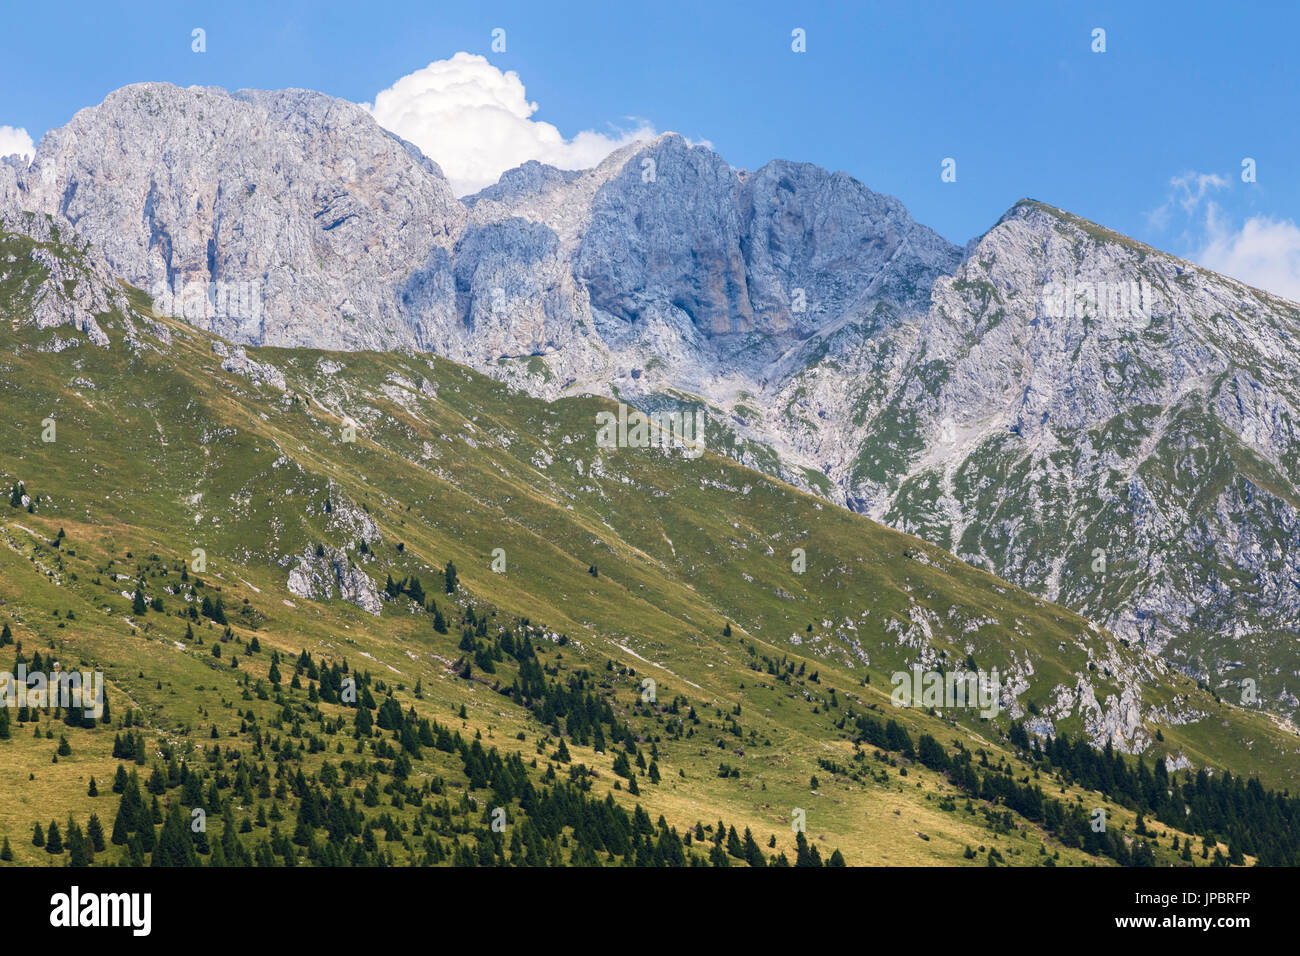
60 279
352 523
327 573
235 359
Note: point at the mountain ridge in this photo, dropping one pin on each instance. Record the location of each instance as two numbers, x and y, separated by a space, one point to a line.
1002 400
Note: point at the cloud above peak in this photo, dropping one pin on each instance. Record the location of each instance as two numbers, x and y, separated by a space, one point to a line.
475 121
16 140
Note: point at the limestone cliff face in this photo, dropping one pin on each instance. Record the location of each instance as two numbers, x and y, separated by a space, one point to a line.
297 193
291 218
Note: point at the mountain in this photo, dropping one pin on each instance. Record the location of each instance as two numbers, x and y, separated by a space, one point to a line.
1135 459
356 242
586 639
296 192
1103 424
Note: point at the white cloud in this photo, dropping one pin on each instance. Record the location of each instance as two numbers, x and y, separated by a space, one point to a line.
1194 186
1188 190
16 140
475 122
1264 253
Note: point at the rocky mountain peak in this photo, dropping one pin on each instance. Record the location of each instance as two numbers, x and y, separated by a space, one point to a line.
295 195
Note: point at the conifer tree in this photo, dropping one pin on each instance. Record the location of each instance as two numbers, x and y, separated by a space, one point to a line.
79 850
95 833
415 590
734 846
53 840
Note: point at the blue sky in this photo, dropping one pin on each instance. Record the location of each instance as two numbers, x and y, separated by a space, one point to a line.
1147 137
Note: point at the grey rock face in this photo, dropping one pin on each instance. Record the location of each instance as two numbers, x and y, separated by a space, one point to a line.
297 192
333 574
665 269
772 257
530 179
512 293
71 283
666 233
10 169
290 218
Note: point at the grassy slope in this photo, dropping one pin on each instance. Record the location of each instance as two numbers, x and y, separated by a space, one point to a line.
159 452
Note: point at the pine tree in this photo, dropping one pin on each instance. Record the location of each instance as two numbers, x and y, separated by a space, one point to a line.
7 852
6 636
805 855
450 574
734 846
79 852
53 841
138 605
175 845
95 833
